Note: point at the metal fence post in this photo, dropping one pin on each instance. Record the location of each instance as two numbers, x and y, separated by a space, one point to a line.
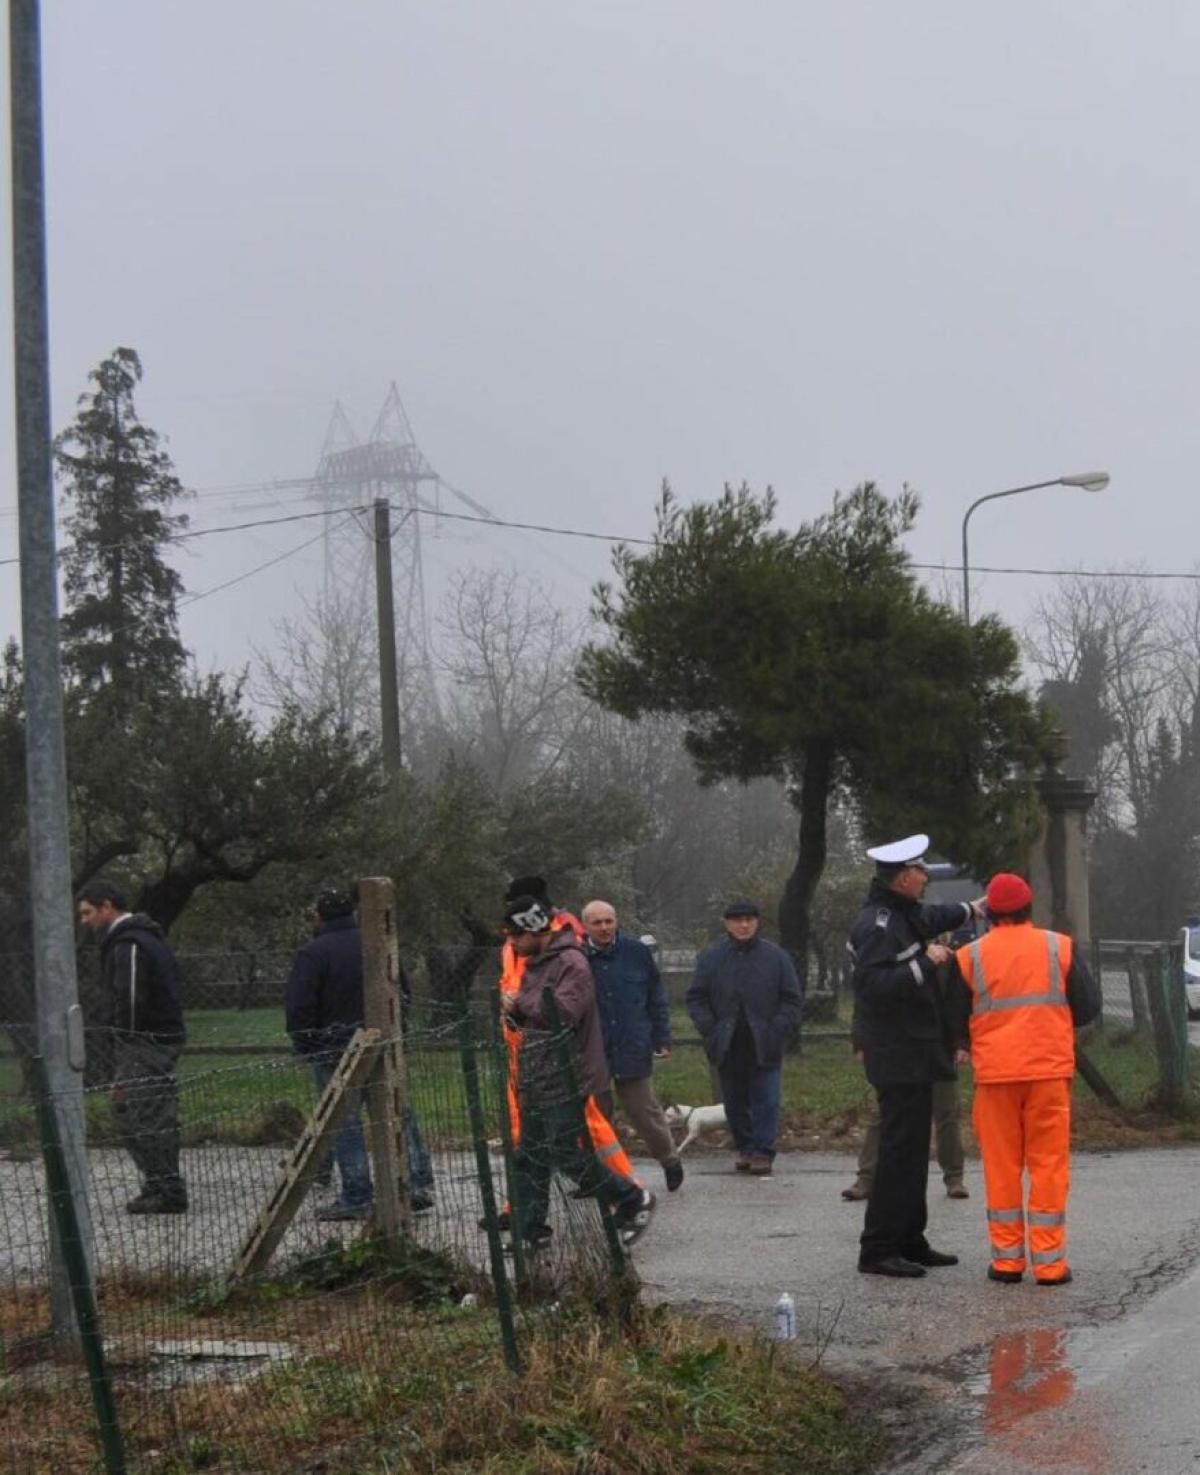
487 1191
503 1071
79 1272
56 989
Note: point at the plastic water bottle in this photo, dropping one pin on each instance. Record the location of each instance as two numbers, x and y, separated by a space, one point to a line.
785 1318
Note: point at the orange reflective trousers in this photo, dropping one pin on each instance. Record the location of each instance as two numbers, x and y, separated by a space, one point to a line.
1025 1126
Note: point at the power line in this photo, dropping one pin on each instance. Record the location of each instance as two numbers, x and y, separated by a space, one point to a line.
585 533
231 527
536 527
1060 573
250 573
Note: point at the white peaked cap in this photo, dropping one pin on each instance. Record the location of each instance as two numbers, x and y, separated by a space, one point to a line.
904 852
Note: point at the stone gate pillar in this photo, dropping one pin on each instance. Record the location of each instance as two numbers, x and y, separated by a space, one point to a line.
1058 857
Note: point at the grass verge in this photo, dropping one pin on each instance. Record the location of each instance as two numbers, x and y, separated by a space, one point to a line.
380 1386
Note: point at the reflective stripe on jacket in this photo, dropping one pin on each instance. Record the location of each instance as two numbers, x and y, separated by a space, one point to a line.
1021 1024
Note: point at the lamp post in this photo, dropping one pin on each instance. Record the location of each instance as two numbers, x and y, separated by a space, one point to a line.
1088 481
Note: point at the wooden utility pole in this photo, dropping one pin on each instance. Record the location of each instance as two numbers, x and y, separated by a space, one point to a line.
389 691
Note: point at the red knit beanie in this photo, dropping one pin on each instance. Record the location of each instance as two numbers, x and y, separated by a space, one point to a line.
1007 893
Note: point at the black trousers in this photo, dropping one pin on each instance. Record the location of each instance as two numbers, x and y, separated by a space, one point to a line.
896 1210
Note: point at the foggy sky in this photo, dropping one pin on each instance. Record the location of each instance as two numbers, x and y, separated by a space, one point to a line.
596 245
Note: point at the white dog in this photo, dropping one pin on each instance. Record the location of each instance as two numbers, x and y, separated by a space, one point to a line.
694 1119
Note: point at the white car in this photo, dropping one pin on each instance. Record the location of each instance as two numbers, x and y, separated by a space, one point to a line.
1191 969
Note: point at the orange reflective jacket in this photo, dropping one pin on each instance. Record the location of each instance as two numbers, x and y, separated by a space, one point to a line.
1021 1025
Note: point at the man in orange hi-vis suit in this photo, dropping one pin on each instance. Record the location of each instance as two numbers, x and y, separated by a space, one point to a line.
512 970
1029 990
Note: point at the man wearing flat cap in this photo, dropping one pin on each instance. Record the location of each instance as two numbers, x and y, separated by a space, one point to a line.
1029 989
909 1036
745 1001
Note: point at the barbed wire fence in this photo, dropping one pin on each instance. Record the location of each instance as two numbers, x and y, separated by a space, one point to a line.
252 1332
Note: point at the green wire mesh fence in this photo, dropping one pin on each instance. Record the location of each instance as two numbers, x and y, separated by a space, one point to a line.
217 1360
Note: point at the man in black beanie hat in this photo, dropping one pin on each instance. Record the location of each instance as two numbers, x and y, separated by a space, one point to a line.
324 1007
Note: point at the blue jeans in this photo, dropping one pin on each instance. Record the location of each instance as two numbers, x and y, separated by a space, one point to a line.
350 1147
751 1095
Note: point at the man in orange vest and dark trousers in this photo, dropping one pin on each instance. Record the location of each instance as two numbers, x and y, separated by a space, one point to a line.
1029 991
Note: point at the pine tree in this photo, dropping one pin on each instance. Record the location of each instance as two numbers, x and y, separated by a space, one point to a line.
121 628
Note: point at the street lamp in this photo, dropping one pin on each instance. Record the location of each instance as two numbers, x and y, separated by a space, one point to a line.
1088 481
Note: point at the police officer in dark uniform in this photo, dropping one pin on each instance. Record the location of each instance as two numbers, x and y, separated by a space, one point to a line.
909 1032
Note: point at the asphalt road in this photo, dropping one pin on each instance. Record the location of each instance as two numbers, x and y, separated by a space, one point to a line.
1097 1375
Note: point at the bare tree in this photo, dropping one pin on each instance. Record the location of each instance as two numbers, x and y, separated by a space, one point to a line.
1106 644
327 660
509 662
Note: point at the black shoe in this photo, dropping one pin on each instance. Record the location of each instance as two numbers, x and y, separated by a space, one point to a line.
930 1258
894 1265
1061 1281
1006 1277
673 1173
420 1203
156 1203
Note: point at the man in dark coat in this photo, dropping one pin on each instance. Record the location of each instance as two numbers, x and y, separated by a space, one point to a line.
556 1128
324 1007
910 1034
636 1018
140 981
746 1001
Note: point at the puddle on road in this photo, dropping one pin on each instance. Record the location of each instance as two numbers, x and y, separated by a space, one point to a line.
1048 1399
1037 1408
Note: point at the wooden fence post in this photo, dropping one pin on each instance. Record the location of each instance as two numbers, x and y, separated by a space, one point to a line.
387 1089
1138 1001
1171 1077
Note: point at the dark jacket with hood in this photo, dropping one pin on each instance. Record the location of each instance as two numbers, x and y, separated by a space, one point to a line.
908 1018
141 980
755 978
563 969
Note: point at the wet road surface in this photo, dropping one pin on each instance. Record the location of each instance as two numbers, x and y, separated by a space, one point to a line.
1116 1397
1093 1376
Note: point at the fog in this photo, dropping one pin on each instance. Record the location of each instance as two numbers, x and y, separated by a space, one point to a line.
599 245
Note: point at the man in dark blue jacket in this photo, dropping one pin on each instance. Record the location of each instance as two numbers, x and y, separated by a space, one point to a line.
636 1019
143 1015
324 1007
745 1000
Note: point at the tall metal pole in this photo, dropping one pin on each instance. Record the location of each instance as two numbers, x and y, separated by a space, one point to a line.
45 761
389 692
